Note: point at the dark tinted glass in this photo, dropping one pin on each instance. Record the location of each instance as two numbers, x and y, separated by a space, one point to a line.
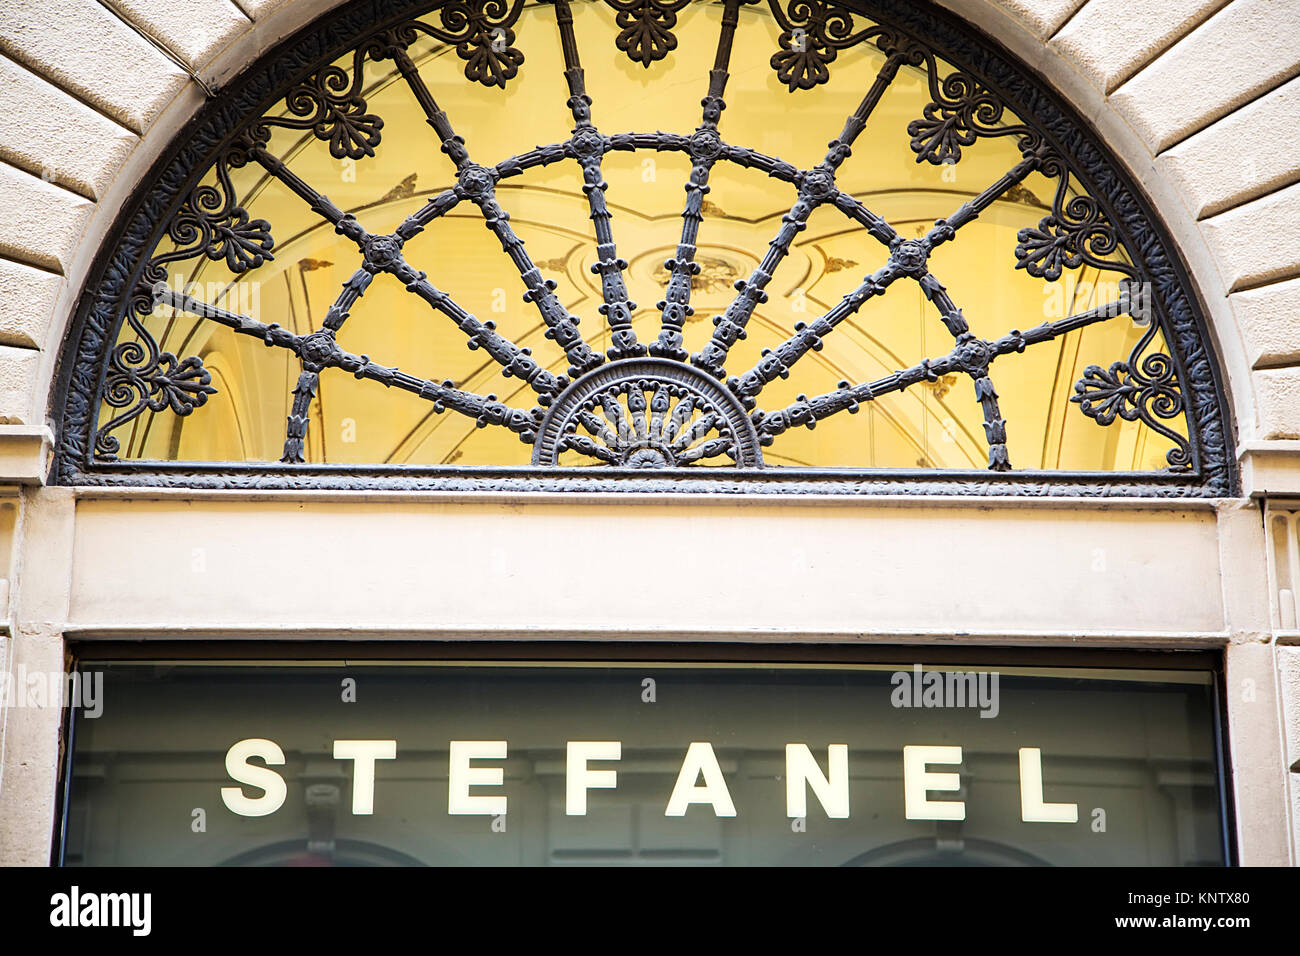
1133 751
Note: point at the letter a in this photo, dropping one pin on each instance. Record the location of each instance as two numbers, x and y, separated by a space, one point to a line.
700 760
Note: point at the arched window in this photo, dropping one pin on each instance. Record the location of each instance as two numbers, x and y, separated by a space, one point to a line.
888 231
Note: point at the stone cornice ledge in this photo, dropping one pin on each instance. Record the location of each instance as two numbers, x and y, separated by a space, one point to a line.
1270 467
25 452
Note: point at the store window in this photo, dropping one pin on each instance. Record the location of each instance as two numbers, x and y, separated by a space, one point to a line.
644 762
960 291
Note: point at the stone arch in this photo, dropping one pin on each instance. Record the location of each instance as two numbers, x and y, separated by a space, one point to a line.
84 131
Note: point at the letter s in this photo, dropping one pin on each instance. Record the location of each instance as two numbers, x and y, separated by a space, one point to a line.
241 771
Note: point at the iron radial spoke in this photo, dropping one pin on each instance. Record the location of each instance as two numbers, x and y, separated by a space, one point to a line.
308 380
995 426
776 363
705 148
1039 157
816 186
907 258
320 351
384 254
478 185
974 354
588 147
1036 156
435 208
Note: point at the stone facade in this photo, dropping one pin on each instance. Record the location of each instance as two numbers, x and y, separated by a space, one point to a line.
1190 94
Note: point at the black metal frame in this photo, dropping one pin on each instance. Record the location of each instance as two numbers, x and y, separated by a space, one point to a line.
964 106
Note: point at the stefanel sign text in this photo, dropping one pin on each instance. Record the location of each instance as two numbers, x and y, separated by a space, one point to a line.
474 783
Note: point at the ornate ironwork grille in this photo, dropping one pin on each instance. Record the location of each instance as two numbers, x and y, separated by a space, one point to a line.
630 405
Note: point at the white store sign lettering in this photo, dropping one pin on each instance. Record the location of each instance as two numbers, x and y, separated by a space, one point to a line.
699 781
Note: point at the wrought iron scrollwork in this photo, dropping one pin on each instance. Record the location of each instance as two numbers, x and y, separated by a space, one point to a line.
210 222
143 378
1076 233
653 405
812 33
140 376
482 32
1144 388
329 104
960 111
484 38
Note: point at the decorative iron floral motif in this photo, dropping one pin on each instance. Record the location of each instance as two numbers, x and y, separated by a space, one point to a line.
210 221
960 111
812 32
1145 389
646 28
329 104
484 36
625 410
1076 233
141 378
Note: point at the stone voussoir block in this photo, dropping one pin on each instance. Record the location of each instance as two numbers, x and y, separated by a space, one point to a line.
58 138
27 299
86 50
1257 242
1269 319
40 223
1236 159
1108 41
1043 17
1240 53
195 30
1277 394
